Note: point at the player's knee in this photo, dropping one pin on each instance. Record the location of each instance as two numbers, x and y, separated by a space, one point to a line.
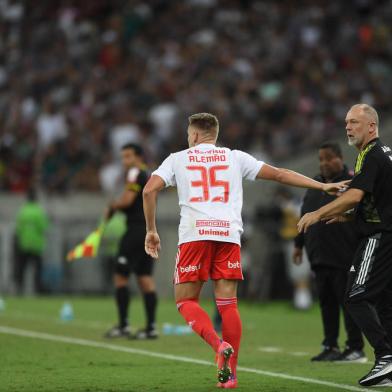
225 288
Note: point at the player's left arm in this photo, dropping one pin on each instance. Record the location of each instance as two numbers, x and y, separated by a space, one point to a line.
150 193
340 205
290 177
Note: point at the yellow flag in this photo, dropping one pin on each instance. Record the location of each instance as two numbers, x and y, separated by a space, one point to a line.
89 247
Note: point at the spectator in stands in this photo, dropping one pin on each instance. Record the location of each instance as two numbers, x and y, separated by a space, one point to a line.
66 69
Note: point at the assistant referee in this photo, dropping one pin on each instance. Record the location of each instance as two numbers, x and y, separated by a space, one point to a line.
131 256
368 296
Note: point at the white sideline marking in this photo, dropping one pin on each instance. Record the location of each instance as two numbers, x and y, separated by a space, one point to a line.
271 349
274 350
299 353
92 343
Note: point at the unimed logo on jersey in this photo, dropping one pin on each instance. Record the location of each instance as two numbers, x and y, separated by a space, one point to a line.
233 264
223 233
190 268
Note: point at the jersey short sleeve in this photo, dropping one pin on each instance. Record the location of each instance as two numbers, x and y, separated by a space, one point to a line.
166 171
366 177
134 181
249 165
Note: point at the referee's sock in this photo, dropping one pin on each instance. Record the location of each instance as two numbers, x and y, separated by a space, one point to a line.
231 326
198 319
150 305
122 300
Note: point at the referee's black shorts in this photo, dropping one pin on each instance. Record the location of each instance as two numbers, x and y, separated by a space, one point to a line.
131 257
371 273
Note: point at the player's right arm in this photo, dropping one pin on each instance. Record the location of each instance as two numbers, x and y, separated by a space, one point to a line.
162 177
150 192
290 177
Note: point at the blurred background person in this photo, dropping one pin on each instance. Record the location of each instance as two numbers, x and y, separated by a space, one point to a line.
331 249
30 241
299 274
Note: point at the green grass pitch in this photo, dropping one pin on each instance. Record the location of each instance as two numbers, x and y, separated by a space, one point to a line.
276 339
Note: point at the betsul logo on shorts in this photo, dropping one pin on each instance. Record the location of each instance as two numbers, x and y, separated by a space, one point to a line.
233 265
190 268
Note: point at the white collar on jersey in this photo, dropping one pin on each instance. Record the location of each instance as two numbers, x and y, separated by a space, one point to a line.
204 145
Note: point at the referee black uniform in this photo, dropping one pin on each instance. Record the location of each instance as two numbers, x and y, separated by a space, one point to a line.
131 257
369 293
330 249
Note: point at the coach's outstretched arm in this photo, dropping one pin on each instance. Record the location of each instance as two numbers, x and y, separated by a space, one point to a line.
332 210
152 244
290 177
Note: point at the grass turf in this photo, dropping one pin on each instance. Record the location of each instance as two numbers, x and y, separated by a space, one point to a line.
28 364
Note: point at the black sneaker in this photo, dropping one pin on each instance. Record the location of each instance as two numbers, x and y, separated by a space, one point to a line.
352 356
382 370
328 354
143 334
118 332
385 382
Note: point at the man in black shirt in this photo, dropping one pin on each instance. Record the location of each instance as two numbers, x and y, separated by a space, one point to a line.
131 255
330 250
368 296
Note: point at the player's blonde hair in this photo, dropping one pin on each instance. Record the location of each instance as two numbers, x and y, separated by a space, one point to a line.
205 122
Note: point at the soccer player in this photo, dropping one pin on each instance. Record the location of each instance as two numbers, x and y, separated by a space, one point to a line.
330 249
209 186
131 256
368 296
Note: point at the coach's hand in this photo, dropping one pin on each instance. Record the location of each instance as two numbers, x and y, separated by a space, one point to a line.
308 220
152 244
337 219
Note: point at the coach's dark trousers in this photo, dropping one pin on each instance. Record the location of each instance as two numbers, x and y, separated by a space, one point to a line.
369 291
331 286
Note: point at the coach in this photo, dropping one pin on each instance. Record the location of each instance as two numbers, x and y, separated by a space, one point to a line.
368 297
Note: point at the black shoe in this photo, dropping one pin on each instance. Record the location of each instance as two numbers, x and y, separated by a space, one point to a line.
385 382
118 332
143 334
328 354
382 370
352 356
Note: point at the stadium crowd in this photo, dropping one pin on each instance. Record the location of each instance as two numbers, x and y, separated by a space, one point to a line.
79 79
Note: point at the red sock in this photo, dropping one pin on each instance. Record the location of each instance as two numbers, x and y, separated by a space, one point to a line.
199 320
231 326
